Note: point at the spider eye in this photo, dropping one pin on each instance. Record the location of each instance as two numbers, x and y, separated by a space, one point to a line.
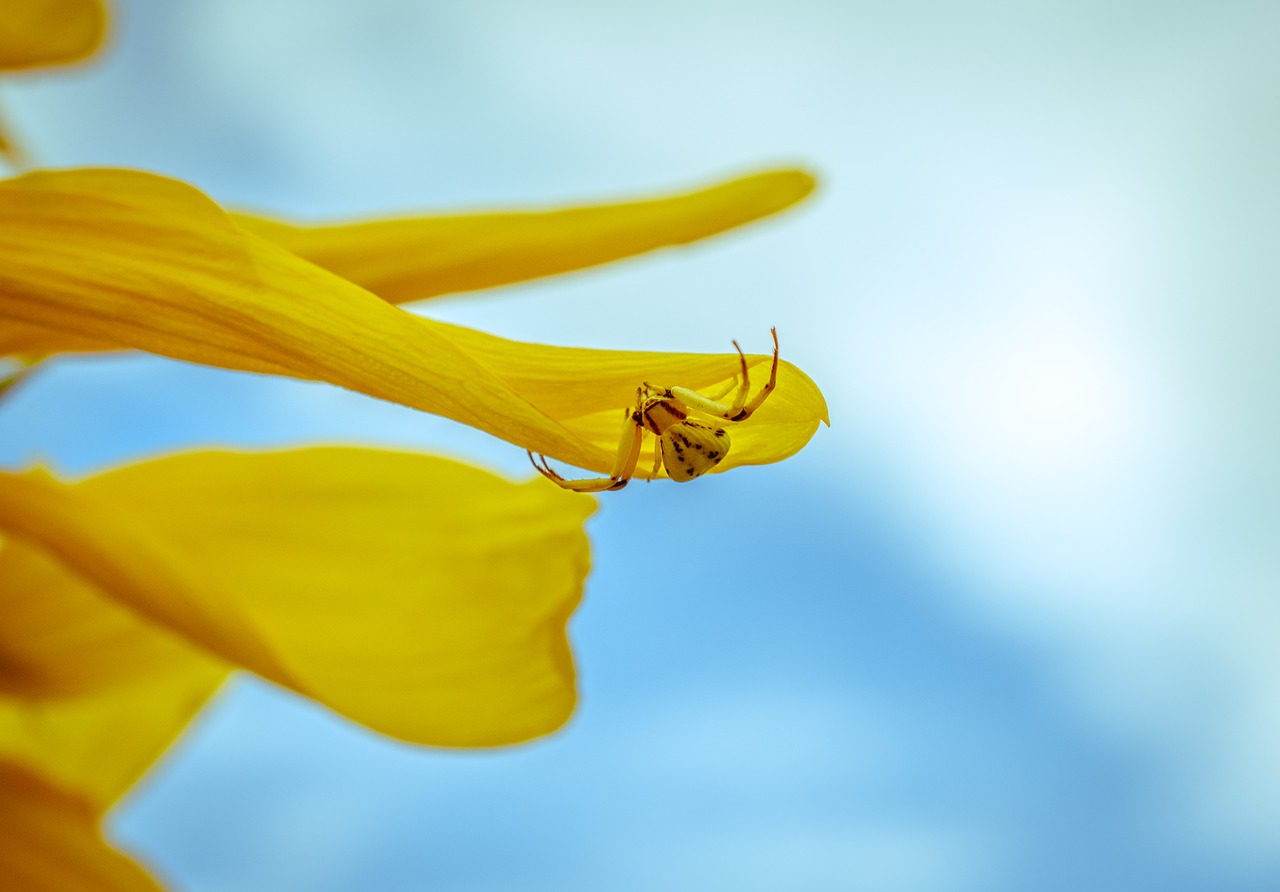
691 448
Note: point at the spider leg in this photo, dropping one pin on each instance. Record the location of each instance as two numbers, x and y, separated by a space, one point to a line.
657 457
716 397
768 388
624 463
740 397
739 409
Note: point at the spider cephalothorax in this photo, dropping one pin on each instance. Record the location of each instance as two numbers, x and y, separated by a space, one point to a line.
688 446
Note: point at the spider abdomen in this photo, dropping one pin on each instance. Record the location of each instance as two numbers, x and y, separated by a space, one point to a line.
690 448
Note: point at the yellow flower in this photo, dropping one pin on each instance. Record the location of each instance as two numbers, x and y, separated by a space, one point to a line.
420 597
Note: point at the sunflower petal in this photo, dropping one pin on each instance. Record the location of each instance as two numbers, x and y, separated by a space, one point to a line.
412 258
39 33
36 33
90 694
49 842
99 743
60 638
119 259
10 149
424 598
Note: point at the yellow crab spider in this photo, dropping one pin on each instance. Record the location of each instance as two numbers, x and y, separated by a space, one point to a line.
687 446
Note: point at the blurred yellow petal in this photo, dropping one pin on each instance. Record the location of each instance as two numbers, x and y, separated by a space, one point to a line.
409 259
40 33
90 694
98 744
49 842
36 33
424 598
121 259
10 150
61 638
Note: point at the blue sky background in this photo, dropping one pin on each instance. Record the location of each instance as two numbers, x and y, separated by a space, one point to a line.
1016 627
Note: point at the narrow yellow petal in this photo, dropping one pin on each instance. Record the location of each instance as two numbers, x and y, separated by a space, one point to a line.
49 842
40 33
36 33
584 389
412 258
421 597
119 259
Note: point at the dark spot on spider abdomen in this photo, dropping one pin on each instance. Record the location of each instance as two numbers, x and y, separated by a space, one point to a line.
682 473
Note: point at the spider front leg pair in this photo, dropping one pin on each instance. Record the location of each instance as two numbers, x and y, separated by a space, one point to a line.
688 446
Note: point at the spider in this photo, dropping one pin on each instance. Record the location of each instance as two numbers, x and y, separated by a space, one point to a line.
689 447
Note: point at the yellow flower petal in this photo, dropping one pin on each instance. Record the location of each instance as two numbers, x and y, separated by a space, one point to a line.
10 150
90 694
119 259
421 597
61 638
408 259
49 842
98 744
39 33
36 33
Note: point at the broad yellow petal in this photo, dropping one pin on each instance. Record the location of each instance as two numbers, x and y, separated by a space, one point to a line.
49 842
90 694
119 259
10 150
408 259
99 743
424 598
36 33
60 638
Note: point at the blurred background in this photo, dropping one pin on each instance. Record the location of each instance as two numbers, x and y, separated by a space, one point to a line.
1016 629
